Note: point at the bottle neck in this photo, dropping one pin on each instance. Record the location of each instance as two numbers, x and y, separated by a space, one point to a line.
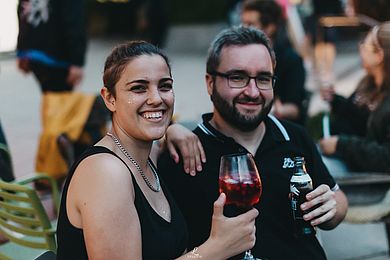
300 169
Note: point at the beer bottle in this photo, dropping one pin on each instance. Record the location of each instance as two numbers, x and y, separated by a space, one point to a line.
300 185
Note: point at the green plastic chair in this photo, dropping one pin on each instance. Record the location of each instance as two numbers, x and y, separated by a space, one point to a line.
24 221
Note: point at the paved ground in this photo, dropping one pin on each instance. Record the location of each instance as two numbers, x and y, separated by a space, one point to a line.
19 114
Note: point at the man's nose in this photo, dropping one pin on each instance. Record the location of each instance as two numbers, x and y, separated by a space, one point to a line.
251 90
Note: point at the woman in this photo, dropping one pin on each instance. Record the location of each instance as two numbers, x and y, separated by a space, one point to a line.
372 152
342 108
114 205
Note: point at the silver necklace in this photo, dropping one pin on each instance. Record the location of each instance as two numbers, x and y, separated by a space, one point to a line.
134 162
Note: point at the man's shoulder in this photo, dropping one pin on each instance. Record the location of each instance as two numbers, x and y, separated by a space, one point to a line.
166 162
293 130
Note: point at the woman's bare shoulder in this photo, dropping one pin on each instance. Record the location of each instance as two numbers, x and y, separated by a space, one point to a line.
103 171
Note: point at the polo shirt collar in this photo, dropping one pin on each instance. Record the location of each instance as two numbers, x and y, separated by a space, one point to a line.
208 129
274 129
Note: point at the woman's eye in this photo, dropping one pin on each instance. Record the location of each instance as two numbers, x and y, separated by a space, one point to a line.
138 88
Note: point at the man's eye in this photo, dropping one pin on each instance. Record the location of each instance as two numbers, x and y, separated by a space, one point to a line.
166 87
138 88
237 77
263 79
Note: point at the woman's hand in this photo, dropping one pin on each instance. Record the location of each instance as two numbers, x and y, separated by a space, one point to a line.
232 235
328 145
228 236
181 140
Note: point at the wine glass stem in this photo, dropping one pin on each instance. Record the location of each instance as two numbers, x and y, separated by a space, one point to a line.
248 255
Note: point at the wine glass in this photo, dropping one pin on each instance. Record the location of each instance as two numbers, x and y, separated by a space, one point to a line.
239 179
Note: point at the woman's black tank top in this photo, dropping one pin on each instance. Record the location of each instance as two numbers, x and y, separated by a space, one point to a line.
160 239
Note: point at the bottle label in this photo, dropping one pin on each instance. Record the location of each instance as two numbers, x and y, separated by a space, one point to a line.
298 196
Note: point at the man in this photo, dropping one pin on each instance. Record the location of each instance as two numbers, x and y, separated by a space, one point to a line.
240 77
289 102
52 45
52 42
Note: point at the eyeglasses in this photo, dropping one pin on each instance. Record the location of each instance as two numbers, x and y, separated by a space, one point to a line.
241 80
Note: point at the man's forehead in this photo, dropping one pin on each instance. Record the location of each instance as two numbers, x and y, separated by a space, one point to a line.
257 47
245 55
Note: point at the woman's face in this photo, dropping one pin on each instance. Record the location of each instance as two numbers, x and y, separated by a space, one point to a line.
369 53
144 98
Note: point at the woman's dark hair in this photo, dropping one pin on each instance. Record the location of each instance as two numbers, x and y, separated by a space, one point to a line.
121 55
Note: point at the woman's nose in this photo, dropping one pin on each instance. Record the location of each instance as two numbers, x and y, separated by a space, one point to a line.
154 97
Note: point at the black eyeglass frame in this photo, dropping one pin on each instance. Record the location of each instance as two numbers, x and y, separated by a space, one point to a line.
227 75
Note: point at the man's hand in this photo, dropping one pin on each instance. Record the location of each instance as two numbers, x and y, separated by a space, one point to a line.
75 75
327 93
325 208
181 140
328 145
24 65
320 205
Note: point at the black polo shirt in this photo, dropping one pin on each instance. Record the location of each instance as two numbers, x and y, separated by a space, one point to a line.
274 157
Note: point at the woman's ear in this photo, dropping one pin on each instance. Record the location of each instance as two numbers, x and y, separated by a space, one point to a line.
108 98
381 56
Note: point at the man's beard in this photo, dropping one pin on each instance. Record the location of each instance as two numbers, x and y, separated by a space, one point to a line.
236 119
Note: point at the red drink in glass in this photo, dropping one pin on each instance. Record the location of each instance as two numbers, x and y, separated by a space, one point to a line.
242 193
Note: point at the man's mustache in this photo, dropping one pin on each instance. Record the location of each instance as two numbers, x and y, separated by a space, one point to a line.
256 101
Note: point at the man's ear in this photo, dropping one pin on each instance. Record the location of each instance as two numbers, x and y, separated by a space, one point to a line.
209 83
108 98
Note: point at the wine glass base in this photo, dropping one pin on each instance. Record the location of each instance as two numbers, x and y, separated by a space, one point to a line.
248 256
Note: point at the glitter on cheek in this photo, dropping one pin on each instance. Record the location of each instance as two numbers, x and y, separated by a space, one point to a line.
130 100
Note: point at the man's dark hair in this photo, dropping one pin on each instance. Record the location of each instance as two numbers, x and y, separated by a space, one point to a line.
270 11
236 36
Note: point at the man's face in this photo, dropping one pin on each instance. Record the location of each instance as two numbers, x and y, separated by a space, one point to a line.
252 18
243 108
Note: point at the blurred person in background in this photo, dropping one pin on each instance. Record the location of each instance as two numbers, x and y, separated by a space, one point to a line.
52 42
367 150
323 38
153 21
52 45
289 102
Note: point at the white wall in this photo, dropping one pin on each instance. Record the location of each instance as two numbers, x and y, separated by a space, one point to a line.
8 25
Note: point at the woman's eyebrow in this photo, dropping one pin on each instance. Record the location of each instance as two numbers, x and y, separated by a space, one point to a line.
142 81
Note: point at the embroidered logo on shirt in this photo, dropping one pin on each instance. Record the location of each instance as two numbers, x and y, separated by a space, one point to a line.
36 11
288 163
